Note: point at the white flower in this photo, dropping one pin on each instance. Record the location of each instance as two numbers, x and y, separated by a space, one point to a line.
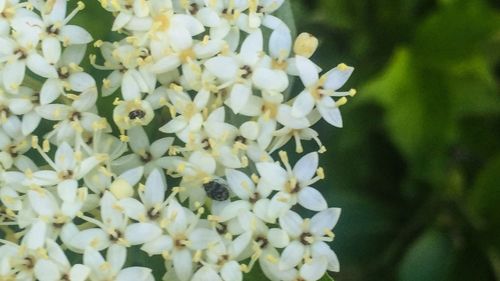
152 203
57 31
111 268
70 76
130 113
57 266
150 156
114 228
190 119
294 185
308 242
68 167
185 238
320 90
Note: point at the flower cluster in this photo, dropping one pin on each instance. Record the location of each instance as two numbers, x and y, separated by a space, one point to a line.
187 168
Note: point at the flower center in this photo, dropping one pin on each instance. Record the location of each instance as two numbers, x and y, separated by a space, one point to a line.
262 241
306 238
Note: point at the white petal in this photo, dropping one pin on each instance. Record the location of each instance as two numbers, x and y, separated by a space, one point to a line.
330 112
51 49
306 167
286 118
321 249
79 272
206 273
46 270
81 81
175 125
132 176
201 238
13 75
94 237
292 223
67 190
158 245
140 233
180 39
312 199
224 68
231 271
303 104
43 203
134 274
278 237
75 35
40 66
139 141
35 238
307 70
154 192
280 43
166 64
31 121
64 157
271 80
292 255
204 161
93 258
314 269
183 265
337 77
50 91
130 87
133 208
273 172
58 11
116 256
240 183
324 220
239 97
121 20
252 47
20 106
160 147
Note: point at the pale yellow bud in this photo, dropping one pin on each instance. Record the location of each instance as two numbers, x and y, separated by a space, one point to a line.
121 189
305 45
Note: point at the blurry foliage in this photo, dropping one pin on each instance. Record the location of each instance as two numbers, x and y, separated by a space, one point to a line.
417 167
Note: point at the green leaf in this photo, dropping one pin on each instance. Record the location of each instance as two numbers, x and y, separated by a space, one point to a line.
418 114
429 258
454 32
484 202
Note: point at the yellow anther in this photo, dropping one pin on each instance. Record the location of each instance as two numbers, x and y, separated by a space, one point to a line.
255 178
46 146
321 173
80 5
34 141
341 102
124 138
343 67
98 43
352 92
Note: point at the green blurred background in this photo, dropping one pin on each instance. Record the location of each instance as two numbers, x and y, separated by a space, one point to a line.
416 168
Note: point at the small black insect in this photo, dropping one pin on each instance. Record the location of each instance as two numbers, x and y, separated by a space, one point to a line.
136 114
217 189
